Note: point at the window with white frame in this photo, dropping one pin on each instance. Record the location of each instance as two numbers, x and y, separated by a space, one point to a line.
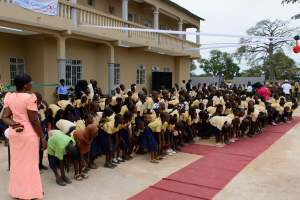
155 69
117 74
141 75
132 17
73 72
17 67
148 23
167 69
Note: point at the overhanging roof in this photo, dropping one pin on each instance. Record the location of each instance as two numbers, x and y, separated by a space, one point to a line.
184 10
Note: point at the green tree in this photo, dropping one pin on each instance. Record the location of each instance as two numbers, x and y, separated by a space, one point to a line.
193 67
256 71
285 67
257 51
220 63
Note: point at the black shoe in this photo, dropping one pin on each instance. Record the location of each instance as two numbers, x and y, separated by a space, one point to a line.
108 165
113 165
60 182
66 180
115 161
43 167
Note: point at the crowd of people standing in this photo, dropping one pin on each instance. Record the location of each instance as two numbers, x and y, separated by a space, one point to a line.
84 124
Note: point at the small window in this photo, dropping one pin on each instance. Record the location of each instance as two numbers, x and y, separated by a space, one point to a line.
155 69
132 17
111 10
17 67
167 69
73 72
92 3
141 75
164 27
117 74
148 23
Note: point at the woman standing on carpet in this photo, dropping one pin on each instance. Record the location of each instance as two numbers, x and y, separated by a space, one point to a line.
20 114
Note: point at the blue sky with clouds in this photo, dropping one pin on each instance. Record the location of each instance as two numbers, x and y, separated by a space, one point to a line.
236 16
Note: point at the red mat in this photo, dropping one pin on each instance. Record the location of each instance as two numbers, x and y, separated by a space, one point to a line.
204 178
198 149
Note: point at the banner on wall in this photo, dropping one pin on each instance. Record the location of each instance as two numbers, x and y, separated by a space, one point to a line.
47 7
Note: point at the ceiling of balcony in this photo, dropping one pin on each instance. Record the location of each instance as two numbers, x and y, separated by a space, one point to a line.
16 31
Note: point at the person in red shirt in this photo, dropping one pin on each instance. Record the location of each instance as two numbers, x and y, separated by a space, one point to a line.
263 92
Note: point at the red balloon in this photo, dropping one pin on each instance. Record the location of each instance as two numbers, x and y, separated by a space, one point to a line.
296 48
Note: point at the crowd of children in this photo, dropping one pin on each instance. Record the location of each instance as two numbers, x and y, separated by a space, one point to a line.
83 127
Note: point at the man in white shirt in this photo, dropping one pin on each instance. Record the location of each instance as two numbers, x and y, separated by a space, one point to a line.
91 90
249 87
286 87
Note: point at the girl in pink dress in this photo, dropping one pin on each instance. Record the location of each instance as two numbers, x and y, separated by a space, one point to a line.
20 114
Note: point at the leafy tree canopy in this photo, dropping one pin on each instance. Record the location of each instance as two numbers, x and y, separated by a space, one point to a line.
220 64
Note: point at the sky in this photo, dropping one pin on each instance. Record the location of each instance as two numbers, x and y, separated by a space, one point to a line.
236 16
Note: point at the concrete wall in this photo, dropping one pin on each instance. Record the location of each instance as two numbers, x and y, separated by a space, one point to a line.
10 46
208 80
245 80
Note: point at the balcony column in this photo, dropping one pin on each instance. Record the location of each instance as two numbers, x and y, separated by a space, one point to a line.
111 70
61 57
180 27
198 37
125 10
74 13
156 18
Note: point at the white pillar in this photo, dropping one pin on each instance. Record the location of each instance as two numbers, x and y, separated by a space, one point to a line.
74 14
156 18
111 75
180 27
125 10
61 57
198 37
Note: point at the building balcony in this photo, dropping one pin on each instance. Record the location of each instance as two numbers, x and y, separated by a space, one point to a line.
72 18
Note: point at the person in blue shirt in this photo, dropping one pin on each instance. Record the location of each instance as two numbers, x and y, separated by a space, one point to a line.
62 90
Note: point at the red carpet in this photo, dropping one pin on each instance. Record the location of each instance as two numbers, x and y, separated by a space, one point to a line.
204 178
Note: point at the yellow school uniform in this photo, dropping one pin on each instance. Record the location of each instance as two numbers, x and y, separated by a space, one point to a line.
135 97
109 125
64 125
174 101
80 125
205 102
54 108
193 93
123 110
164 127
195 103
244 105
218 100
156 125
289 105
211 110
63 103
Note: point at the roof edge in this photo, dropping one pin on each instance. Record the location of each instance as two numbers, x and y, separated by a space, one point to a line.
184 10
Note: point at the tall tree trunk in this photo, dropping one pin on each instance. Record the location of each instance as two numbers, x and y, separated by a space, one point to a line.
271 68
